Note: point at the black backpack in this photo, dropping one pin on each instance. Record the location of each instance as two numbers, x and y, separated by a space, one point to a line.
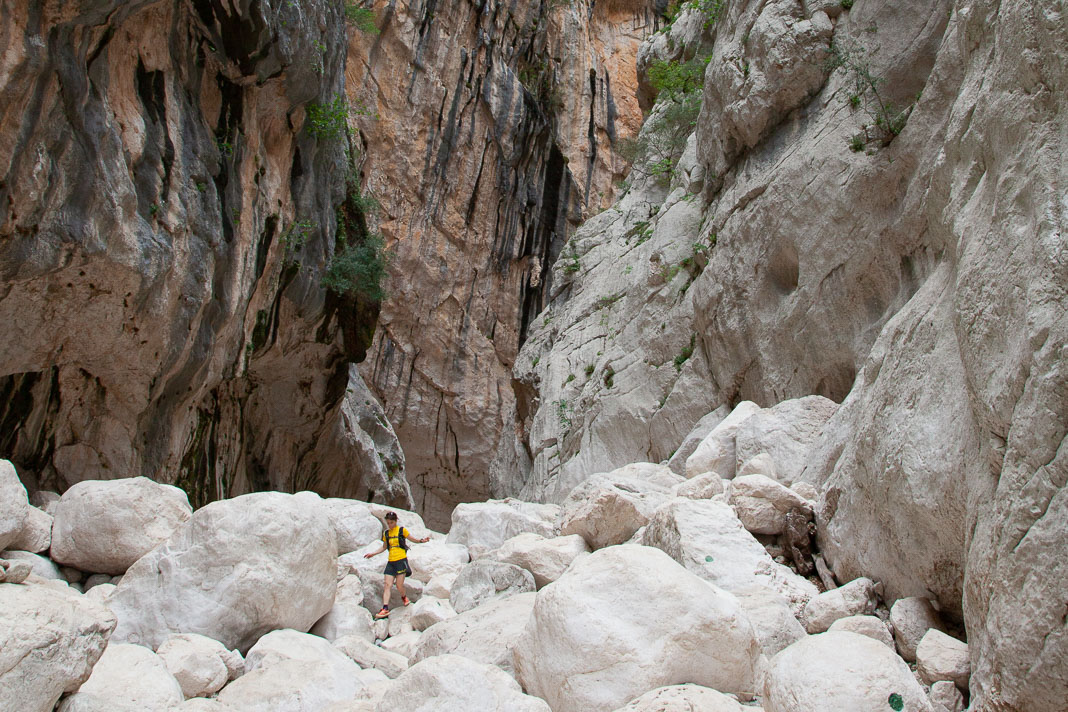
401 541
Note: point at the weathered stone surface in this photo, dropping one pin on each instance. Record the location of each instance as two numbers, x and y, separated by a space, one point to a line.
684 698
453 682
608 509
487 634
196 662
707 538
371 657
429 610
484 526
759 464
840 671
911 618
945 697
852 599
440 586
871 626
700 431
597 637
436 558
485 580
45 500
291 645
126 677
403 644
293 685
39 565
942 657
14 571
704 486
545 559
354 524
105 526
14 505
772 617
786 432
348 616
49 642
101 592
188 585
762 504
716 453
36 533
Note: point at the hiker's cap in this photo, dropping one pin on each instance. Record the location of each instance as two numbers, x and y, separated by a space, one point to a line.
391 515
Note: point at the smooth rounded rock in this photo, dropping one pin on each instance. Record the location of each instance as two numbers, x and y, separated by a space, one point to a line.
911 618
685 698
428 611
483 580
348 615
545 559
36 534
762 504
126 676
854 598
196 662
487 634
14 504
370 656
484 526
943 657
452 682
871 626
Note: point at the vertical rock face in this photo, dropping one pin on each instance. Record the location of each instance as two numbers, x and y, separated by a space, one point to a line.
493 134
167 212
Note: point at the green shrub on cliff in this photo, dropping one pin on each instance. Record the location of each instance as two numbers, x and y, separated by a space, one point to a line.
362 18
358 270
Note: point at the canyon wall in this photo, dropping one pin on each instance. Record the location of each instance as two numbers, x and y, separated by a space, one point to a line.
168 211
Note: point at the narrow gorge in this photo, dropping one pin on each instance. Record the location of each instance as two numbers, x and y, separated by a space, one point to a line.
718 347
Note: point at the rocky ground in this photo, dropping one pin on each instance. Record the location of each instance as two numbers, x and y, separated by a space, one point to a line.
644 589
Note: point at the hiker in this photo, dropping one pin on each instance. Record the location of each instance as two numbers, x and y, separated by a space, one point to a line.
395 539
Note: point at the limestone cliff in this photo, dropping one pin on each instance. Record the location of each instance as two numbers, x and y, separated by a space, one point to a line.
168 209
491 133
871 208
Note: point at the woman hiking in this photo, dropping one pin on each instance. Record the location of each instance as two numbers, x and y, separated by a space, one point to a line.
396 539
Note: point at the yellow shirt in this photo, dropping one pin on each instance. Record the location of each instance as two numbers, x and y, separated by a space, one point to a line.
396 553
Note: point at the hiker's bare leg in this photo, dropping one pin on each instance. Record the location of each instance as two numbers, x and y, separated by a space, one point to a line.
400 584
385 590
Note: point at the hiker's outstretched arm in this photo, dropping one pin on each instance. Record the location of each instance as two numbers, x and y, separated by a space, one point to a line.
381 548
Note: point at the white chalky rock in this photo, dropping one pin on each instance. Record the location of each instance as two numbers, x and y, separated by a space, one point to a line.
104 526
231 573
126 676
197 662
436 558
853 599
36 534
704 486
40 565
706 537
911 618
943 657
841 671
403 644
685 698
545 559
606 510
354 524
484 526
282 645
203 704
485 579
14 504
429 610
370 656
487 634
440 586
762 504
96 580
945 697
49 641
806 490
772 618
293 686
760 464
447 683
716 453
101 592
871 626
786 432
704 426
608 630
348 615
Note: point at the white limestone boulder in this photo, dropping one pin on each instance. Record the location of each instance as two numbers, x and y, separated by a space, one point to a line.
354 524
203 704
348 615
685 698
197 662
126 676
447 683
436 557
716 453
104 526
704 426
487 634
761 464
772 618
484 580
943 657
945 697
762 504
403 644
704 486
856 598
440 586
786 432
293 686
36 534
545 559
841 671
14 504
707 538
371 657
238 569
806 490
871 626
39 565
484 526
606 510
101 592
911 618
429 610
49 641
282 645
601 635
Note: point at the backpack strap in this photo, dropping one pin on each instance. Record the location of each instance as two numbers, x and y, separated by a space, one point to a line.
401 541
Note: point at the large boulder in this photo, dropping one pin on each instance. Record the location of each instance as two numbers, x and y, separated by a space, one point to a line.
282 645
39 565
13 504
238 569
911 618
607 509
348 615
293 686
707 538
716 453
428 611
841 671
625 620
49 641
787 432
200 664
943 657
772 618
704 486
704 426
354 524
484 580
126 676
871 626
545 559
371 657
856 598
762 504
435 558
484 526
487 634
446 683
104 526
684 698
36 533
